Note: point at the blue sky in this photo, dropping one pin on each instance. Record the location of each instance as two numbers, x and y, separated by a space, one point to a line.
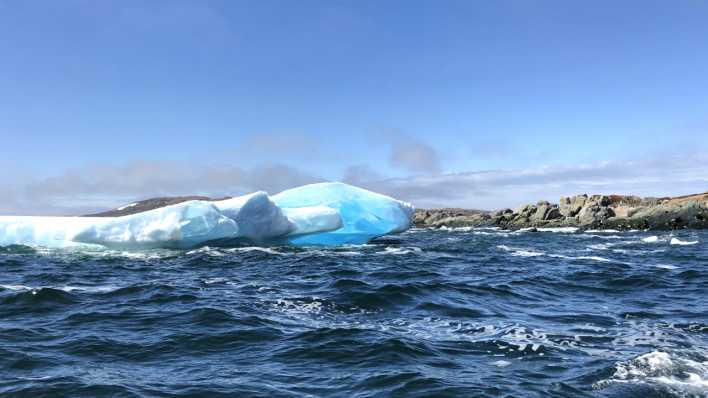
103 102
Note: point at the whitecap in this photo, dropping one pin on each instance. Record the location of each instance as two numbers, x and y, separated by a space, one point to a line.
346 253
527 253
563 230
211 281
679 375
249 249
519 252
68 289
90 289
456 229
650 239
297 306
137 255
600 236
501 363
665 266
401 250
207 250
493 233
601 246
593 258
326 252
15 287
677 241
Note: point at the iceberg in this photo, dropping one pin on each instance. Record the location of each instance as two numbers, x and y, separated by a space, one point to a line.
315 214
365 215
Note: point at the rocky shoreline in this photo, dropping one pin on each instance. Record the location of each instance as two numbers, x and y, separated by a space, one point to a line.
582 211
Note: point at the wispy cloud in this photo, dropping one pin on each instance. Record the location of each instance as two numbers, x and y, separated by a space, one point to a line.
104 186
661 176
415 156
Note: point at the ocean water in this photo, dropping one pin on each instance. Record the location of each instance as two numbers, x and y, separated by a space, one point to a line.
446 313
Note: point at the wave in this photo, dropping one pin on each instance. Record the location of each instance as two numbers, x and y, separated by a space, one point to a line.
518 252
663 371
509 340
673 241
67 289
677 241
592 258
562 230
401 250
601 236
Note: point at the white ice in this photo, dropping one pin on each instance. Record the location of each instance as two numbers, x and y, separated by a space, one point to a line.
317 214
257 217
43 231
182 225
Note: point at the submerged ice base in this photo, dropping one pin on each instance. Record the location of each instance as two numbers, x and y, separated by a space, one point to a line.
317 214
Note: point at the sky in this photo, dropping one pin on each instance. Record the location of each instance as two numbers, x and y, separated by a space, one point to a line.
478 104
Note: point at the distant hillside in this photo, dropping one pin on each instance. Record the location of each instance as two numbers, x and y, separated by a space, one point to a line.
148 204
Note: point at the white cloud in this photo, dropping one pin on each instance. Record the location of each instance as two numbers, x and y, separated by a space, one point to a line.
662 176
99 187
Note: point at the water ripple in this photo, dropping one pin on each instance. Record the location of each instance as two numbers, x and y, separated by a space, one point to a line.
454 312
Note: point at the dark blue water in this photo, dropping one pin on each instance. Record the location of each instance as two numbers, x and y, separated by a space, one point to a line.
466 313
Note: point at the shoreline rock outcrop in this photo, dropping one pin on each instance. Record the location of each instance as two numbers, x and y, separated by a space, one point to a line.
619 212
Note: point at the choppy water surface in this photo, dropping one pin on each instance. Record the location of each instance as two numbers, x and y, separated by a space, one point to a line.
428 313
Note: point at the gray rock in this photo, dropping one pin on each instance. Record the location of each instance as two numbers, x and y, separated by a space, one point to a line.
571 206
553 214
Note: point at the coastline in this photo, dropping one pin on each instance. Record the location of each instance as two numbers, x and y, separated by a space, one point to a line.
618 212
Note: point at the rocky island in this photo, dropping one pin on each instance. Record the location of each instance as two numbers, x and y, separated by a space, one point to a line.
619 212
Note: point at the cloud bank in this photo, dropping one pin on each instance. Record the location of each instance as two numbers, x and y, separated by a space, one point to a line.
102 186
666 175
98 187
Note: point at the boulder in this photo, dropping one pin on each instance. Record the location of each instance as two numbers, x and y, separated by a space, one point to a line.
475 220
540 213
553 214
593 214
571 206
